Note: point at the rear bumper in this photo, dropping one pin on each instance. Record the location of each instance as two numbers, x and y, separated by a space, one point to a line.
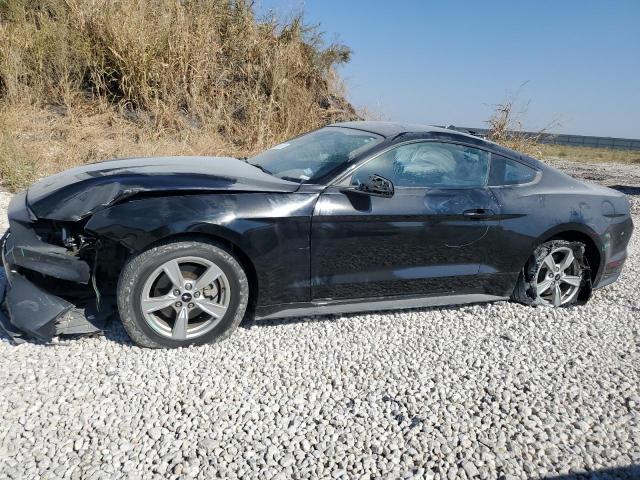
612 270
615 243
29 309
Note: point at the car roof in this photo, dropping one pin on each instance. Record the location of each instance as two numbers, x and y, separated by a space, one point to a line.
393 129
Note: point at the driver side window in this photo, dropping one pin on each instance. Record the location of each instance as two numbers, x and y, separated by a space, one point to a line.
428 164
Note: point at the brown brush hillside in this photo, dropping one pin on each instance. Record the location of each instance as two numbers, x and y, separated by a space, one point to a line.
85 80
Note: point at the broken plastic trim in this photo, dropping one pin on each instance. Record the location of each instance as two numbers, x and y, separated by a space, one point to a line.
32 253
26 310
32 312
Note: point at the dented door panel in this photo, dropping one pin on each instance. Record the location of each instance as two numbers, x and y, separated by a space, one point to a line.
420 241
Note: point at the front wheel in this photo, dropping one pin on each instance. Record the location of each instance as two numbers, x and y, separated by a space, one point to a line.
182 293
555 275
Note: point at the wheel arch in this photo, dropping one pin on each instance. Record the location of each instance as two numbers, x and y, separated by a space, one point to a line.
580 233
224 241
568 233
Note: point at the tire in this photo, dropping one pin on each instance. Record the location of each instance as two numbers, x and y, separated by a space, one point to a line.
569 283
150 279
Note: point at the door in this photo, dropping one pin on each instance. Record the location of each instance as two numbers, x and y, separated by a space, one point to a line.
428 239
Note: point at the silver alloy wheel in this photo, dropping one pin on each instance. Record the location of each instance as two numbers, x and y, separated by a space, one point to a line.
185 298
558 277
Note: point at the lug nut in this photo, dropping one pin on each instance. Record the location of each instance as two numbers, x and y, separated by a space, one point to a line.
188 286
176 292
196 294
191 305
178 304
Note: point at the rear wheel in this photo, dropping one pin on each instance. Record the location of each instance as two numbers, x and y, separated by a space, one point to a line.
554 275
182 293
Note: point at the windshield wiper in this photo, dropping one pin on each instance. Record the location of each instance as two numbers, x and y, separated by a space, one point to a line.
245 159
292 179
261 168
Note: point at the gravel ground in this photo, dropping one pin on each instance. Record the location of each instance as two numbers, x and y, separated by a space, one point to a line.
484 391
610 174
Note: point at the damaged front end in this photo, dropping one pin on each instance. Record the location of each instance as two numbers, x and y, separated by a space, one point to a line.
60 277
48 287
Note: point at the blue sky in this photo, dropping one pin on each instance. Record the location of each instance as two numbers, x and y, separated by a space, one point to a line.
449 62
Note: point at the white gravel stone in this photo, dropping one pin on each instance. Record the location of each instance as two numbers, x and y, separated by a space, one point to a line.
482 391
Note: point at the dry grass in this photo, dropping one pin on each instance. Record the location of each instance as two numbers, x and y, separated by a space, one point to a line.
36 142
589 154
506 128
87 80
84 80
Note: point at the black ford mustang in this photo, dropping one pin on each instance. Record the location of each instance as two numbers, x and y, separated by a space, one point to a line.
352 217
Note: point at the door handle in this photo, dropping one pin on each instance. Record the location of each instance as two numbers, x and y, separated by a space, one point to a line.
478 213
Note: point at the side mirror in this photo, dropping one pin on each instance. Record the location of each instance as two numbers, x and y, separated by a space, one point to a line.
376 186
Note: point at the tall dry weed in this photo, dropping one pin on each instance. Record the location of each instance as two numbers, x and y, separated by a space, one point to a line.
203 71
506 128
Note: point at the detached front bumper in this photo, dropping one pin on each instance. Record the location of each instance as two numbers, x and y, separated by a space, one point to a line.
29 310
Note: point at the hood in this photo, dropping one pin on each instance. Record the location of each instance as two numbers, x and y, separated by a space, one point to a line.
80 192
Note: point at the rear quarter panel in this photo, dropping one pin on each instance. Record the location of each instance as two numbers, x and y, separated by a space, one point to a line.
531 214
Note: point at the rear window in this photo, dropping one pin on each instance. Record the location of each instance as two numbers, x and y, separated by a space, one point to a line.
509 172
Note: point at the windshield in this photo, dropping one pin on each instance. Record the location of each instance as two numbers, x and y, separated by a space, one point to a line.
312 156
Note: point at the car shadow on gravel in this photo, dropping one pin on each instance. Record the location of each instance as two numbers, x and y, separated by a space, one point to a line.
276 322
249 323
627 190
114 332
631 472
